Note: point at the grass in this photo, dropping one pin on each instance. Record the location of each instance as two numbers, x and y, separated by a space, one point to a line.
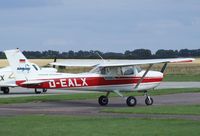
45 98
182 77
85 126
174 91
174 109
63 97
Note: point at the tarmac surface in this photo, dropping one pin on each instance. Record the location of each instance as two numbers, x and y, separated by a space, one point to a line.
91 107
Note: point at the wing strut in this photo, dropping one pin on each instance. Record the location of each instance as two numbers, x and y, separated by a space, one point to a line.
164 67
141 79
55 60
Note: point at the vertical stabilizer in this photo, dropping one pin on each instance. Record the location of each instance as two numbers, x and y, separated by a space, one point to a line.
21 67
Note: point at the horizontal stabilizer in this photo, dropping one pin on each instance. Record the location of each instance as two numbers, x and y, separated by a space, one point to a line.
8 85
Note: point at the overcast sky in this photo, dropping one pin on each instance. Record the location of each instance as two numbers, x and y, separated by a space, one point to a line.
105 25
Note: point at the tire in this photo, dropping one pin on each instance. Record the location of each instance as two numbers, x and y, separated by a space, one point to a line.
5 90
37 92
44 90
103 100
149 102
131 101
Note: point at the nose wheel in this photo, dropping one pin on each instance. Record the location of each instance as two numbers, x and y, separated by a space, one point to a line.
148 100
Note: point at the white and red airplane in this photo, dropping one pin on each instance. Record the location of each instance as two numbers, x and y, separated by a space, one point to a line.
104 77
7 78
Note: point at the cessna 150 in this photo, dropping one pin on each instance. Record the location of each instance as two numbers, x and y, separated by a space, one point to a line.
104 77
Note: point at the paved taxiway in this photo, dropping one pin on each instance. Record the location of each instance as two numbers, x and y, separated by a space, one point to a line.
91 107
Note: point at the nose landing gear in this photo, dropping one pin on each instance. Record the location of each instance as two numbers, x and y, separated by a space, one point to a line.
148 99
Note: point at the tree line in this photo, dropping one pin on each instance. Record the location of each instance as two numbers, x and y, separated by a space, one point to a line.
135 54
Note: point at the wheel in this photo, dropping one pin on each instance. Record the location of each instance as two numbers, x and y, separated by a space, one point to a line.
103 100
37 92
149 101
131 101
5 90
44 90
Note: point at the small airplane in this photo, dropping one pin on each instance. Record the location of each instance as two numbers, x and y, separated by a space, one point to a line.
104 77
7 78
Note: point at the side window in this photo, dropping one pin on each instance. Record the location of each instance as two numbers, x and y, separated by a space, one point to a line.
112 71
103 71
128 70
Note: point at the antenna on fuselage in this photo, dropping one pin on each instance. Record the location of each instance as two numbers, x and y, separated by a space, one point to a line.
100 56
97 65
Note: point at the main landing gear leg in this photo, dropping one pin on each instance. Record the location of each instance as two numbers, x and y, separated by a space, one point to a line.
103 100
130 100
37 92
148 99
44 90
5 90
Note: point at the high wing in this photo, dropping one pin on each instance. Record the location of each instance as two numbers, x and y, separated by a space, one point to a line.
79 63
115 63
150 61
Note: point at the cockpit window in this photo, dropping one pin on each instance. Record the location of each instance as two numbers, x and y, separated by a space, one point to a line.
111 71
129 70
117 71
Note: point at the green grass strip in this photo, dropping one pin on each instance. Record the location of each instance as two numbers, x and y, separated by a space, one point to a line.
175 109
91 126
182 77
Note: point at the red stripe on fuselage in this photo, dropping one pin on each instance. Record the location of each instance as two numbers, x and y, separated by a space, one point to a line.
90 81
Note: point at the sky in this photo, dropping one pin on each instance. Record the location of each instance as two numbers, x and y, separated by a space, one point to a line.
105 25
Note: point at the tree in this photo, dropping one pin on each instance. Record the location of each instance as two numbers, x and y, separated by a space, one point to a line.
166 54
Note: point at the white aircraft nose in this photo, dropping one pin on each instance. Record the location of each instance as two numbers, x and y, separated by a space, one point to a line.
153 74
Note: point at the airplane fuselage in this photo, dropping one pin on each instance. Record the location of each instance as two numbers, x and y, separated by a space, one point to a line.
96 82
